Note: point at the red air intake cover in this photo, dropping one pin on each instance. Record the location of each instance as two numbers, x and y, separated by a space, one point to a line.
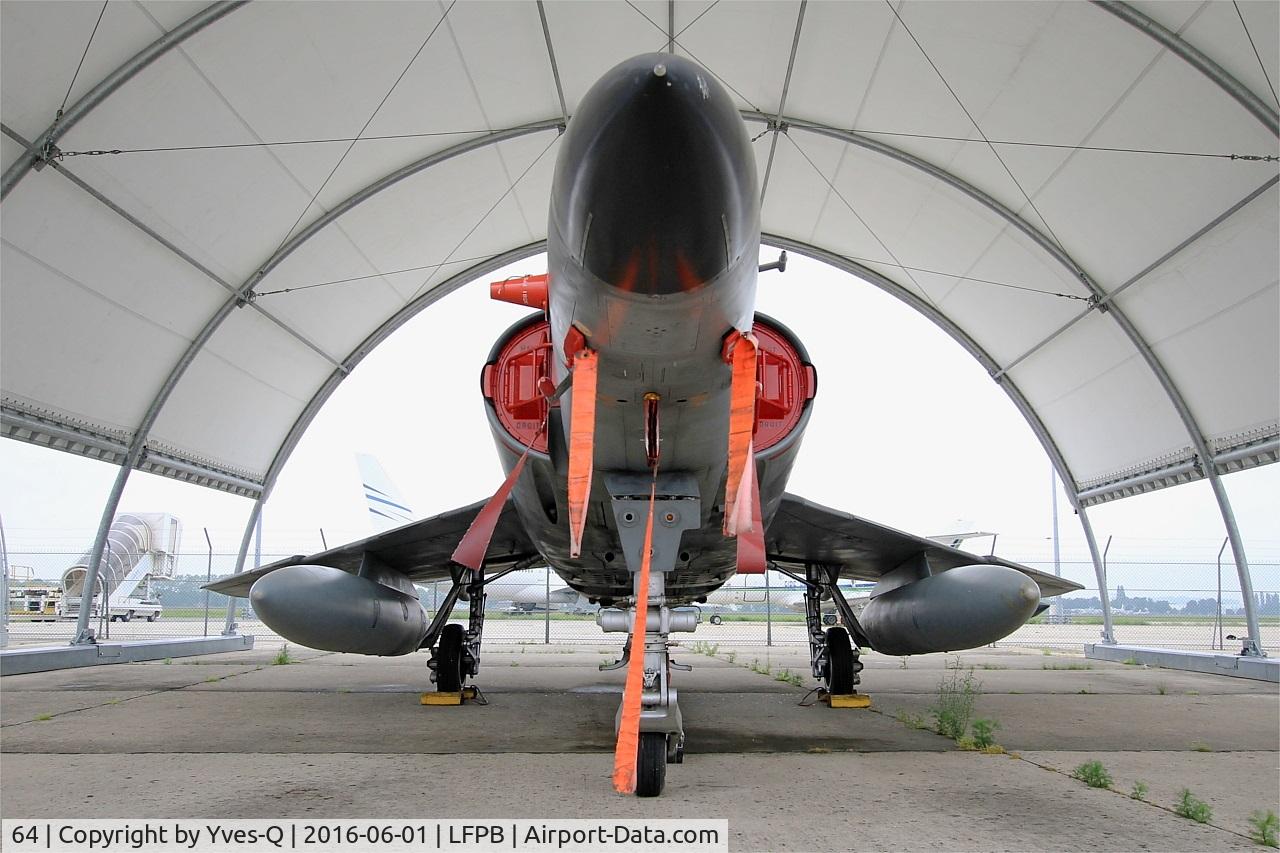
786 383
511 382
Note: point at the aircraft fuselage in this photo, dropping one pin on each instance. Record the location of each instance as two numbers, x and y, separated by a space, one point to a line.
653 252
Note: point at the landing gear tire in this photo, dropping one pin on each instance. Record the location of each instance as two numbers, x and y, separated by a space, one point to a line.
152 617
651 764
449 659
716 619
839 676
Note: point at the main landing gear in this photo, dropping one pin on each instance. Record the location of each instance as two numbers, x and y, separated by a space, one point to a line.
456 657
833 654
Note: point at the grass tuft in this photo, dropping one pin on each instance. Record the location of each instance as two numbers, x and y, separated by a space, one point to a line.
1162 688
1130 661
910 720
1093 774
282 657
1066 666
1191 808
1265 828
1139 791
1201 746
43 718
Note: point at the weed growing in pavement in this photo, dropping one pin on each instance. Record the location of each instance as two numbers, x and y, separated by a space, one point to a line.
957 693
1066 666
1130 661
984 733
1191 808
1093 774
1265 828
1162 688
1201 746
1139 791
282 657
43 718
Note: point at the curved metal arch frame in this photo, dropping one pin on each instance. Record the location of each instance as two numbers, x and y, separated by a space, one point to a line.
888 285
953 181
325 391
1204 458
1228 82
241 296
1024 407
113 81
202 19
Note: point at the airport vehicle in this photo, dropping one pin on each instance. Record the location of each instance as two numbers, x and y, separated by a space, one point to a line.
141 547
648 419
34 602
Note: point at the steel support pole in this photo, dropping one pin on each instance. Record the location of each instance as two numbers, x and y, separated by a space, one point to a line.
1252 643
546 622
255 516
1108 630
100 543
1057 550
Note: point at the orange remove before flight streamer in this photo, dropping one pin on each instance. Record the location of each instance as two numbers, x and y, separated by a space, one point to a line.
582 436
740 352
627 750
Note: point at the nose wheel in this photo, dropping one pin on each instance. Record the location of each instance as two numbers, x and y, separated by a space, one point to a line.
651 764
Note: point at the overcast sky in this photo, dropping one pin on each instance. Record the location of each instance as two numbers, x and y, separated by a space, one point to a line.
907 430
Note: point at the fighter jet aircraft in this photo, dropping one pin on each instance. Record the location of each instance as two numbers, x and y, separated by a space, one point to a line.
648 419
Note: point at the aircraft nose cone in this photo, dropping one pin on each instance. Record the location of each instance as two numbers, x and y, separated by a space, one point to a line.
655 187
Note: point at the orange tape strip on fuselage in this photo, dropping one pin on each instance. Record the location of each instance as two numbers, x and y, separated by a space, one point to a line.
626 752
582 438
742 418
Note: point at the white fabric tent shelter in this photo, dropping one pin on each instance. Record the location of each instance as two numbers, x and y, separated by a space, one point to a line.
1083 195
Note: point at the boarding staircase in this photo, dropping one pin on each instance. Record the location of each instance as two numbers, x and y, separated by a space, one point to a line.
141 547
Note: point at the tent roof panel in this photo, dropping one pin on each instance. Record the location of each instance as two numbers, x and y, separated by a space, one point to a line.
920 189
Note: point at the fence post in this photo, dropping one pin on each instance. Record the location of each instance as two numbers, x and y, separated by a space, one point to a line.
1219 642
104 628
1108 623
768 610
208 575
4 588
546 624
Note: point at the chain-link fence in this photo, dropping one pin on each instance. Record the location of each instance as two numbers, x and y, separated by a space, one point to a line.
1166 604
